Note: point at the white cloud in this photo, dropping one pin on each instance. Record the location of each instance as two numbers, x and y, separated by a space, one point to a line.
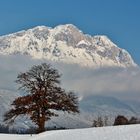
116 82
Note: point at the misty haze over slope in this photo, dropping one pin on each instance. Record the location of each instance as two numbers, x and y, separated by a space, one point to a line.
118 82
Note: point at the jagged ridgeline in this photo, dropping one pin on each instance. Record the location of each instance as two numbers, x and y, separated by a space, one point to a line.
66 43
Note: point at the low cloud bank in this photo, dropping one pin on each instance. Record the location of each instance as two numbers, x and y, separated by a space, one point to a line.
116 82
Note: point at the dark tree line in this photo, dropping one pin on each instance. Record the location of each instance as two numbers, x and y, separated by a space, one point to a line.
119 120
42 83
122 120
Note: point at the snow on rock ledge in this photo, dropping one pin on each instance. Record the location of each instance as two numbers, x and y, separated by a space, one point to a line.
68 44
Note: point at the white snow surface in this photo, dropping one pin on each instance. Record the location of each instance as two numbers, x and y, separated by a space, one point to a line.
128 132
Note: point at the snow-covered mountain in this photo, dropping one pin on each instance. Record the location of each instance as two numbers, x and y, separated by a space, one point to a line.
66 43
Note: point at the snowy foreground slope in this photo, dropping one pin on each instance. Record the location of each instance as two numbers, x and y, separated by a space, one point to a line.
130 132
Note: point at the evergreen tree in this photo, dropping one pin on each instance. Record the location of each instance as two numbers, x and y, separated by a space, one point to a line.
42 83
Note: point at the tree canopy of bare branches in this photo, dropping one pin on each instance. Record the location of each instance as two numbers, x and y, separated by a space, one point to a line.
42 83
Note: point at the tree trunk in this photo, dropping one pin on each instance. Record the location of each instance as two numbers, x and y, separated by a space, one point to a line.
41 125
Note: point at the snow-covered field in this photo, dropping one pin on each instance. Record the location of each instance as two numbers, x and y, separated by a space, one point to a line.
129 132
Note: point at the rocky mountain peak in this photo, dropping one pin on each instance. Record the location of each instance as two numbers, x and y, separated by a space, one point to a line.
68 44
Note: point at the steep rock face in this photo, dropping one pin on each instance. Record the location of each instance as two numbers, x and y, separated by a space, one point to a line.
68 44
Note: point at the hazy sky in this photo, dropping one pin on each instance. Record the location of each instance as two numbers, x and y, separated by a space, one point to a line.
118 19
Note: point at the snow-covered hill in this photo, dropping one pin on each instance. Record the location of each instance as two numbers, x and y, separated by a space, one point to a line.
90 109
6 98
128 132
66 43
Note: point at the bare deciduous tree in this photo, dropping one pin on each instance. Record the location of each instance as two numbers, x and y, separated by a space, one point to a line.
100 121
42 83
